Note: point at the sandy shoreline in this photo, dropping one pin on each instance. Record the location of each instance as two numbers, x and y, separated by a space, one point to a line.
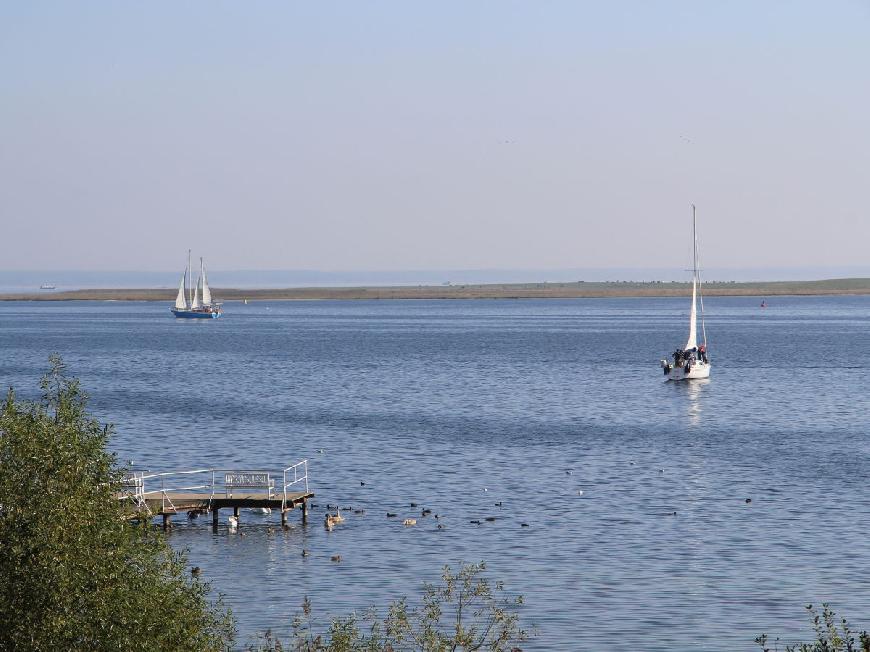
490 291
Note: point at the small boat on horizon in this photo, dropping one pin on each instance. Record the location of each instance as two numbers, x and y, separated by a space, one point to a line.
691 362
48 286
195 309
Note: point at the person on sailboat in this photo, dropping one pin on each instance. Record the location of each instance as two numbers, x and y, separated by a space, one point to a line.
702 350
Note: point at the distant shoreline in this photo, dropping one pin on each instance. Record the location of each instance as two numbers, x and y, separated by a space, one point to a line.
577 290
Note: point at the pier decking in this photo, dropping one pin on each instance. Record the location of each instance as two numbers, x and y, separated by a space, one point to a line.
200 491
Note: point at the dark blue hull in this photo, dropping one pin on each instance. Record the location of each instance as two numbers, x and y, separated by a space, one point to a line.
195 314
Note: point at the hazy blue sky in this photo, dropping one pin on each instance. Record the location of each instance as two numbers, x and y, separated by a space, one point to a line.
396 135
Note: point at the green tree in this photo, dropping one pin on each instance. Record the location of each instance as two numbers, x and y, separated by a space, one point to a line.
465 612
75 573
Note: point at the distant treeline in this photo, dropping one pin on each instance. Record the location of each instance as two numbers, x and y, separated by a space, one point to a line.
578 289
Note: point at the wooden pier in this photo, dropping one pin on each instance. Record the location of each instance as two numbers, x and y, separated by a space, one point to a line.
171 493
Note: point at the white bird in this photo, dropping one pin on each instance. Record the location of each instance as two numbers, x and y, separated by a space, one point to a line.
233 522
261 510
410 521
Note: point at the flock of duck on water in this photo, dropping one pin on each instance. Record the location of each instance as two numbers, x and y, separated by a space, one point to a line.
330 519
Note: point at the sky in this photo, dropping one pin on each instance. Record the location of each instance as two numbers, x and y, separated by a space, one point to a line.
450 135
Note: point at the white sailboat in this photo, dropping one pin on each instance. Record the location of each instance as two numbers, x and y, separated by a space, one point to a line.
194 308
692 361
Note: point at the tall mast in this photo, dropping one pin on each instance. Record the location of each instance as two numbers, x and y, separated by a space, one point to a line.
190 280
698 276
694 243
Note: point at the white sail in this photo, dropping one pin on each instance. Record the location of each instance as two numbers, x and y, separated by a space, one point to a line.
180 302
206 293
195 304
692 342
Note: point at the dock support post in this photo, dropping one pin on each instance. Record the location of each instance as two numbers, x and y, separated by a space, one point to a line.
283 518
304 511
166 522
236 512
214 518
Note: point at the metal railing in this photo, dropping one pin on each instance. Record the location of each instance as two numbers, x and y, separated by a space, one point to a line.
137 487
139 493
297 478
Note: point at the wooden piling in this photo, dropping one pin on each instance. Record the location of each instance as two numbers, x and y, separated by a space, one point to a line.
166 521
215 518
283 518
304 511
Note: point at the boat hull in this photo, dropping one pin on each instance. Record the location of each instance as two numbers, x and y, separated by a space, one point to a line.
195 314
698 371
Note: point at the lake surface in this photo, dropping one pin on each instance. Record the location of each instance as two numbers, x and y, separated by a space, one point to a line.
458 405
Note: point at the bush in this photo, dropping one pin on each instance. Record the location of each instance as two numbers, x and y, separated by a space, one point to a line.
829 636
465 612
75 574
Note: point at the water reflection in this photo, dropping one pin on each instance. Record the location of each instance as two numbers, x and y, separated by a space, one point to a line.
694 390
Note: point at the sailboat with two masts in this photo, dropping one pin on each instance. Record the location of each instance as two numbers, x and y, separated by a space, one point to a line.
691 362
195 308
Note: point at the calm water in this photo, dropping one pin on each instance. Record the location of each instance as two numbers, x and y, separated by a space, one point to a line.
459 405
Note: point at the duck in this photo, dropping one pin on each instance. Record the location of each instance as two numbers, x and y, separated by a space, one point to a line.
331 520
409 521
195 571
335 558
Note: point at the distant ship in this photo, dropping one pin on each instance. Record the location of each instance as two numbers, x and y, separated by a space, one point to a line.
47 286
195 309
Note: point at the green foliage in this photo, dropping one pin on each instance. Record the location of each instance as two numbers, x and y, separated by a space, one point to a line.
75 574
830 636
465 612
